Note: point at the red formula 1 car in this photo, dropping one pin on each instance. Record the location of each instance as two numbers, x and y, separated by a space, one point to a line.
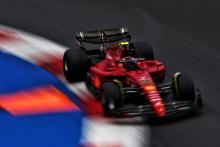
126 79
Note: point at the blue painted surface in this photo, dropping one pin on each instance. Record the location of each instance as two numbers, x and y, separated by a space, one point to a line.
47 130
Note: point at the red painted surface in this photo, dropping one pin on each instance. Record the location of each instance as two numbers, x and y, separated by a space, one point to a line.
90 104
37 101
6 36
149 88
51 63
148 71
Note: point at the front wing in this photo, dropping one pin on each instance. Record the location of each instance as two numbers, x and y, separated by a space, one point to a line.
173 109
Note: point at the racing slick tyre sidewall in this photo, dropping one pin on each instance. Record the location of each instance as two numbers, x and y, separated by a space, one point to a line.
186 88
112 98
188 92
143 50
75 65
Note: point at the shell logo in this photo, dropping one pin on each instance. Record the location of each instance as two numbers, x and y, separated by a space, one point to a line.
150 88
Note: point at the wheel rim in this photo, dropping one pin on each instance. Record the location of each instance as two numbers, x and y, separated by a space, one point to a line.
111 105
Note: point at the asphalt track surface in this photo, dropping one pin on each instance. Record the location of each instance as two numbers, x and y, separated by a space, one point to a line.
185 35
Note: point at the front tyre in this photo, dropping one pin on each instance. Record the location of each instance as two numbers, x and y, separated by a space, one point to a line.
112 98
186 91
184 87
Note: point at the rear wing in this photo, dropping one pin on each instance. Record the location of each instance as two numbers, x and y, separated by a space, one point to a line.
103 36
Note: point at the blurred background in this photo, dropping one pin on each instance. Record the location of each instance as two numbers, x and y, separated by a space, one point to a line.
184 34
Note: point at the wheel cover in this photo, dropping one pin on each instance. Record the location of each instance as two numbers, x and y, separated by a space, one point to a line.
111 106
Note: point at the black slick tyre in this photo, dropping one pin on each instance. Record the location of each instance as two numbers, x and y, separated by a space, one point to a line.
75 65
112 98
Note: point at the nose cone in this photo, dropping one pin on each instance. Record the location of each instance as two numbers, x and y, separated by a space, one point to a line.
160 109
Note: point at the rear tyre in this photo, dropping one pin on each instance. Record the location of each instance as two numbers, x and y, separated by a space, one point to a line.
75 65
112 98
143 50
